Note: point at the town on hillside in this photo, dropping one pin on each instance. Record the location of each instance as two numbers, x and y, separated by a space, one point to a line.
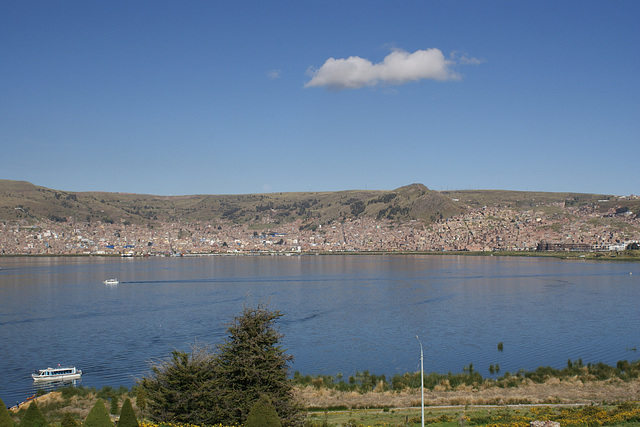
585 228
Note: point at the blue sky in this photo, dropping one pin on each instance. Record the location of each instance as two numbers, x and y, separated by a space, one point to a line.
213 97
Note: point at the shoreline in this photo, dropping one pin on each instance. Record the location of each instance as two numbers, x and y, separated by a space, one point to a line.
624 256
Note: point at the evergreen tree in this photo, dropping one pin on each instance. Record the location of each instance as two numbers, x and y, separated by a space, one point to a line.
181 390
203 388
141 398
98 416
114 405
263 414
68 421
127 416
33 417
251 363
5 417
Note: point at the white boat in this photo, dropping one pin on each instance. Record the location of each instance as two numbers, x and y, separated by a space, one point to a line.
111 282
57 374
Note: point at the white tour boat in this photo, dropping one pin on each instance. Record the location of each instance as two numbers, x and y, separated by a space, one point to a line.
57 374
111 282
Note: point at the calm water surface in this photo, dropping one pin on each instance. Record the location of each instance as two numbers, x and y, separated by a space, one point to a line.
342 313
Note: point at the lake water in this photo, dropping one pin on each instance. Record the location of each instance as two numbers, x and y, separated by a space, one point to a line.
342 314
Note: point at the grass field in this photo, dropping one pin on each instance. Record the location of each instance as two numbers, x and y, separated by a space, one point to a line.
627 414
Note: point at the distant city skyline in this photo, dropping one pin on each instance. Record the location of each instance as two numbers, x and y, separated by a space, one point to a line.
172 98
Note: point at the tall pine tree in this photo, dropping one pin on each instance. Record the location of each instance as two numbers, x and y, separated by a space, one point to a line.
252 363
204 388
181 390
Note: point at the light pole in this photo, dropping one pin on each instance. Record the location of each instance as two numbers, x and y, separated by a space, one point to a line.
421 380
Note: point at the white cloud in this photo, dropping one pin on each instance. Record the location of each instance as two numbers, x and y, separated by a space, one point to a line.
274 74
397 68
470 61
464 59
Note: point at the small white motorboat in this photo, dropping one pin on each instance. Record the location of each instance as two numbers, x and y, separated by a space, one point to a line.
111 282
57 374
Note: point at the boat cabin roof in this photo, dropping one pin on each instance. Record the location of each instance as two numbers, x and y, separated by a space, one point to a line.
57 370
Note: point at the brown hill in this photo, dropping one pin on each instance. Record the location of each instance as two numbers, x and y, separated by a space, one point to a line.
23 200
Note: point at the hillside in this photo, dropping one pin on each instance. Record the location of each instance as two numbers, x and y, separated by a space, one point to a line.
549 202
23 200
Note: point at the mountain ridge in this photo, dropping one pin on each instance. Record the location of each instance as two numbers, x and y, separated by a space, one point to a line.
413 202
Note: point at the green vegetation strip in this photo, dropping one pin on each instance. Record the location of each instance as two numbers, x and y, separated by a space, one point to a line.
364 382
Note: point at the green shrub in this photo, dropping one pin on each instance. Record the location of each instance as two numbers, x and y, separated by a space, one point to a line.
542 373
70 391
180 391
603 371
106 392
98 417
127 416
263 414
113 409
141 398
33 417
68 421
5 418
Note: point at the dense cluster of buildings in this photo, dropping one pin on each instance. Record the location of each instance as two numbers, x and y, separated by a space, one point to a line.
483 229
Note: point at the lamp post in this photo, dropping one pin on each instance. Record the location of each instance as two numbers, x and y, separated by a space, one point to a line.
421 379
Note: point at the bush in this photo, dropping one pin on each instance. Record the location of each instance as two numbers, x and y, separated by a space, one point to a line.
141 398
98 416
68 392
33 417
113 409
106 392
263 414
602 371
181 391
68 421
5 418
542 373
127 416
